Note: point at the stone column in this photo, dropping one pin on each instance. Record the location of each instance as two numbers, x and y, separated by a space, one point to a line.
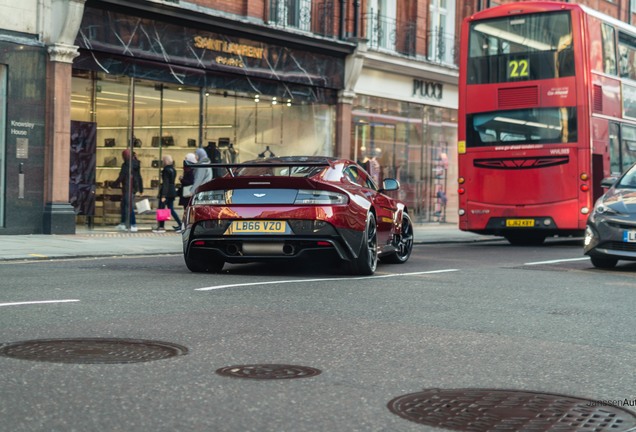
59 215
343 124
346 96
61 24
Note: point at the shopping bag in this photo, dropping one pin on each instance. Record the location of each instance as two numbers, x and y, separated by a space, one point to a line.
142 206
163 214
186 191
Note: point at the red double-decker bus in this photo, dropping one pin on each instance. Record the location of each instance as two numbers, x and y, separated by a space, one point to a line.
547 108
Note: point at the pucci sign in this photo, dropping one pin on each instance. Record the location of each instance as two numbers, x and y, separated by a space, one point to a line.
428 89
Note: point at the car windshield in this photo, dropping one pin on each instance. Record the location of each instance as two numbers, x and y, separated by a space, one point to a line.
629 179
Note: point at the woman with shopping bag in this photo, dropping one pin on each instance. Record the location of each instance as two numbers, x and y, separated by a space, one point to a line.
167 195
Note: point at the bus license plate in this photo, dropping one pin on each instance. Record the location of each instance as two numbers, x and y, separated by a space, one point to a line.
516 223
629 236
257 227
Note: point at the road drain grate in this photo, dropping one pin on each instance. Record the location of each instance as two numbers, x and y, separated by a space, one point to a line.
507 410
91 351
268 371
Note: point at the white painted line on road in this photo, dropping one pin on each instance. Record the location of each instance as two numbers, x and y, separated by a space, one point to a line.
557 261
322 279
37 302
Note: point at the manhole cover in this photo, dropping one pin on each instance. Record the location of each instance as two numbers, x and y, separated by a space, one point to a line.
268 371
481 410
91 350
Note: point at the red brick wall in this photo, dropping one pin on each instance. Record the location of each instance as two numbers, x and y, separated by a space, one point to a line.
251 8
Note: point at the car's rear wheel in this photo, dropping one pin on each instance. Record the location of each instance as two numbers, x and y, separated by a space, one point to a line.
605 263
404 245
367 260
203 263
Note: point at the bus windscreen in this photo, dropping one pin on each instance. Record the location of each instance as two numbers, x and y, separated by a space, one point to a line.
520 48
523 126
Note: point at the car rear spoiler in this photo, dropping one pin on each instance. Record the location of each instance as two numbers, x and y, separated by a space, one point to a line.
229 167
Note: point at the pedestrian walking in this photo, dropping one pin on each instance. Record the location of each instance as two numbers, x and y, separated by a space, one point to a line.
131 183
168 193
201 175
187 179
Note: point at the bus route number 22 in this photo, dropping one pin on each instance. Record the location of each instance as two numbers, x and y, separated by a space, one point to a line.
518 68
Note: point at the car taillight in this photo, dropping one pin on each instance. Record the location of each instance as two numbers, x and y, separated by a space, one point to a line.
320 197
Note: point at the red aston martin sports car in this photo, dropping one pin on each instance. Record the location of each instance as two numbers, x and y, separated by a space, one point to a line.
290 207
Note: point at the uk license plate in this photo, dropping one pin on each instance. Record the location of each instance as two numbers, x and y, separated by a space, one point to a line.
257 227
519 223
629 236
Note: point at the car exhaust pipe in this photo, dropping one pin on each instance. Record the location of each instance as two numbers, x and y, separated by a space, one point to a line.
288 249
232 249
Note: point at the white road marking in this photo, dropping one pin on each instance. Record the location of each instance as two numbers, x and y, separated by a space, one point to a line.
37 302
321 280
557 261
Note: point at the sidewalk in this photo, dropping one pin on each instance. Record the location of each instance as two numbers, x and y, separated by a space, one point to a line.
107 241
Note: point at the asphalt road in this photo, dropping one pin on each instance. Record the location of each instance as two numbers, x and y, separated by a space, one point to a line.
456 316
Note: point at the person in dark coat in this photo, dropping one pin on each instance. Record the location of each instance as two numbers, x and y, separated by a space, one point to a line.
129 175
187 179
168 192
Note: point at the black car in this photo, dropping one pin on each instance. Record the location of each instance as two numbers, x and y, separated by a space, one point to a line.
610 234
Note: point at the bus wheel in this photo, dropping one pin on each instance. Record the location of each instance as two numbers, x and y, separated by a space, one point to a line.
527 239
604 263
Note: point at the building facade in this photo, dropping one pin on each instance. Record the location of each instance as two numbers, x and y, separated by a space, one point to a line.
83 80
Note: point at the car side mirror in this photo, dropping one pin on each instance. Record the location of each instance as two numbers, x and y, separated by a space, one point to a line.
390 184
608 182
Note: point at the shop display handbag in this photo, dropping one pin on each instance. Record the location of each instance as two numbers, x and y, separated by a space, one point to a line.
143 206
163 214
109 142
166 141
110 161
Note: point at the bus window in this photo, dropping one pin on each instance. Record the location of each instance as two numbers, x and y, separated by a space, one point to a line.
514 48
564 61
525 126
614 149
609 49
627 55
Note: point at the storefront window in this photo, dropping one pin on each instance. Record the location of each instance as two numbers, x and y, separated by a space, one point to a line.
265 126
166 122
409 142
157 119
